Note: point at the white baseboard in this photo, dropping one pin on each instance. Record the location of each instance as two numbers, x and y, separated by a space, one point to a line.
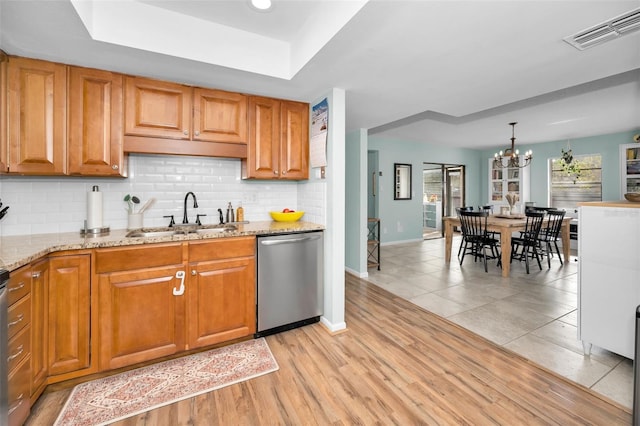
333 328
356 273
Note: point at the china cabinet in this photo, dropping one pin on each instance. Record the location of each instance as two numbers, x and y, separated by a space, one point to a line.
629 168
505 180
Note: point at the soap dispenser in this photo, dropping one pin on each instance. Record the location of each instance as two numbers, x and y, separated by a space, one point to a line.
230 217
240 213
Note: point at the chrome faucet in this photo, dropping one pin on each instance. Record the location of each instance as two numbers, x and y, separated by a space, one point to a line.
185 219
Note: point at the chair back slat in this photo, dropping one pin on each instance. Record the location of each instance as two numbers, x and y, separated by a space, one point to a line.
554 224
533 225
474 224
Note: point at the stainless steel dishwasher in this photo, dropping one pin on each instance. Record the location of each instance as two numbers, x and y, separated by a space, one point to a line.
290 281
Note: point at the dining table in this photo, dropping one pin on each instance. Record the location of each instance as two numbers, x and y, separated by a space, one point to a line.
505 225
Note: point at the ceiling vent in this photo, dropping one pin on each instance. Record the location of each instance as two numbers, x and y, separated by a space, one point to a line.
605 31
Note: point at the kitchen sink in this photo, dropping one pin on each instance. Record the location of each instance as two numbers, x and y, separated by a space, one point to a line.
149 234
180 230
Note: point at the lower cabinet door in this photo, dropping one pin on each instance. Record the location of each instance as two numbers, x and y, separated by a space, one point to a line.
140 316
69 316
221 301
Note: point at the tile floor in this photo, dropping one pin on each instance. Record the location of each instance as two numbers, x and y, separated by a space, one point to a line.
534 315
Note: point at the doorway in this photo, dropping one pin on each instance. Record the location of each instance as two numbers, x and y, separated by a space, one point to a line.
442 191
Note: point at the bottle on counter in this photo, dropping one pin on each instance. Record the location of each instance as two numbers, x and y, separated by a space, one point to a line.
230 217
240 213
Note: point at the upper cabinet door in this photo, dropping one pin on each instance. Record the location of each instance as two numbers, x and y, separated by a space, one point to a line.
37 117
4 146
294 142
219 116
95 118
157 108
263 153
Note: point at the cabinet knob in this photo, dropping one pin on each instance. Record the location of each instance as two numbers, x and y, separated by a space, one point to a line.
275 172
115 167
185 132
193 272
284 172
197 133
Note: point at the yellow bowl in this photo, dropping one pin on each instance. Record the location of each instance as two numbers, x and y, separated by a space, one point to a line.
286 217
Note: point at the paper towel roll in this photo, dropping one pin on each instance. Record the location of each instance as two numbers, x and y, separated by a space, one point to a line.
94 209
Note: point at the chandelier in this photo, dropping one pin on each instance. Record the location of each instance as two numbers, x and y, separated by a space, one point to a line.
511 155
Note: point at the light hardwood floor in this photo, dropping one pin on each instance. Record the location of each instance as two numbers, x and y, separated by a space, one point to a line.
396 364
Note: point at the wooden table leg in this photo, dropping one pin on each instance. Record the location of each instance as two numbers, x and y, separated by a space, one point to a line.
448 239
566 241
505 246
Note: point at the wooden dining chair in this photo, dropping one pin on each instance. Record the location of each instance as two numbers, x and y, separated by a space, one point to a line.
476 238
550 233
528 240
462 243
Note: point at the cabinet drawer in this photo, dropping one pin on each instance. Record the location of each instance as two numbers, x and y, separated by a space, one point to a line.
19 388
19 315
139 257
19 348
223 248
19 284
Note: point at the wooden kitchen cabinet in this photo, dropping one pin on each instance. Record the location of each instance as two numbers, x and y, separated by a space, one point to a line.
161 299
37 92
4 151
157 108
221 302
19 344
39 327
69 314
278 140
219 116
95 123
140 316
205 121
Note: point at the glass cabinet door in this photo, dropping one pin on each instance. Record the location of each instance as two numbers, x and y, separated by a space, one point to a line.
629 168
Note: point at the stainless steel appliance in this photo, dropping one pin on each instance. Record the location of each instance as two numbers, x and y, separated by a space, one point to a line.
4 368
290 281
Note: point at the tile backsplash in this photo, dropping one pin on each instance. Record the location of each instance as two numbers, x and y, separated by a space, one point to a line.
52 204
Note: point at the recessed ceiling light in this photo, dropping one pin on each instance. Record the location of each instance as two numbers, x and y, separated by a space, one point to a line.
261 4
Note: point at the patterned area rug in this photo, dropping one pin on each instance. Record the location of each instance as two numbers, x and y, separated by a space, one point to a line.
117 397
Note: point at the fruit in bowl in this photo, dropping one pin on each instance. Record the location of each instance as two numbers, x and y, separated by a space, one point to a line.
286 215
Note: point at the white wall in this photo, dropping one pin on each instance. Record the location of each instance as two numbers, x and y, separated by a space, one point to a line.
58 204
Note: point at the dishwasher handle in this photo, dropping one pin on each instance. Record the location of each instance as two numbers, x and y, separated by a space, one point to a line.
288 240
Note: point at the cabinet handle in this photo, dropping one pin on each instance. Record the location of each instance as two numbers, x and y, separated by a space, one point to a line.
16 355
115 167
18 287
185 132
284 172
20 400
197 133
179 291
35 275
193 272
275 172
18 320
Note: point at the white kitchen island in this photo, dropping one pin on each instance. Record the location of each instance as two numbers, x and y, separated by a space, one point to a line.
609 275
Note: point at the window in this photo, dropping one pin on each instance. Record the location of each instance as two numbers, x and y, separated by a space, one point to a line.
569 189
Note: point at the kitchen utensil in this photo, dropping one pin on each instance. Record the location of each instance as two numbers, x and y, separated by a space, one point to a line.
150 202
3 212
286 217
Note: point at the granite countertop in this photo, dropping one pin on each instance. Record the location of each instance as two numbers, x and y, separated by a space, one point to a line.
19 250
